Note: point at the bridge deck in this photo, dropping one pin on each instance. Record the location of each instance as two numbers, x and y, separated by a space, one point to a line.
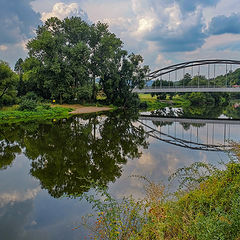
187 89
188 120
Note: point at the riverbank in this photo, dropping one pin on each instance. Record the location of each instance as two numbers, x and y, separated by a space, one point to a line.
151 103
12 114
206 206
80 109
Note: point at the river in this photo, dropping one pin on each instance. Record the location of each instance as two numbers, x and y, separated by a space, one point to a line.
45 167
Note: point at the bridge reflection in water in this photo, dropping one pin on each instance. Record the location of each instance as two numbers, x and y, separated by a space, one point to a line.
196 134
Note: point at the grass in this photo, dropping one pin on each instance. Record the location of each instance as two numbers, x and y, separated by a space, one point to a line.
153 103
208 207
11 114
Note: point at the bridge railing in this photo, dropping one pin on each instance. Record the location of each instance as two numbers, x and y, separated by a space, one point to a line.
180 86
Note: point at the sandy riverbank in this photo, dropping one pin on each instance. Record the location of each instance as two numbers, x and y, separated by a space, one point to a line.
79 109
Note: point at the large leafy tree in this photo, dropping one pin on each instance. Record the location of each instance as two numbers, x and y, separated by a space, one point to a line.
66 57
122 77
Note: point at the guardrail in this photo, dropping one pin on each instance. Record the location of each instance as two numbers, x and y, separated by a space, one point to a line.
175 89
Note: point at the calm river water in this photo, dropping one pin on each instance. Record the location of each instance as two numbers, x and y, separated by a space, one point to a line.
43 162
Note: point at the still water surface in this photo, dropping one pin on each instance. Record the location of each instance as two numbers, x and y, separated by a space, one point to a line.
41 163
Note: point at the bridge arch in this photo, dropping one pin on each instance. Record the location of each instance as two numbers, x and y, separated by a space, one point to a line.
210 85
184 65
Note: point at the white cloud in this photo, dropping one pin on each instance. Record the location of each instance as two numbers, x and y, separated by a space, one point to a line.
10 198
145 25
174 14
62 10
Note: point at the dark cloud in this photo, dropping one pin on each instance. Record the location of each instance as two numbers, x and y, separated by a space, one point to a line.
186 37
191 5
17 20
189 42
222 24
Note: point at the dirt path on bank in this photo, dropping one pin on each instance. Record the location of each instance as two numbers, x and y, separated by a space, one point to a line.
79 109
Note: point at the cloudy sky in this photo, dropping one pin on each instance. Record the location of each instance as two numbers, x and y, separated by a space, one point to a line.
162 31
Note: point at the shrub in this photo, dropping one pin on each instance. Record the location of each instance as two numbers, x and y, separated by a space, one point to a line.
31 96
46 106
28 105
84 93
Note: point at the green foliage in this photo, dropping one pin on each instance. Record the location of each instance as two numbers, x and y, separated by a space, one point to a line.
67 56
115 220
84 94
191 177
8 83
41 113
28 105
9 151
45 106
122 78
31 96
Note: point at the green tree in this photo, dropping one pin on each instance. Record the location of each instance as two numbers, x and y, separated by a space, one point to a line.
121 78
8 83
186 81
106 51
66 57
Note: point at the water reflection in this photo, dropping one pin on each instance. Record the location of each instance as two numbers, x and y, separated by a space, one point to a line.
231 111
68 157
205 132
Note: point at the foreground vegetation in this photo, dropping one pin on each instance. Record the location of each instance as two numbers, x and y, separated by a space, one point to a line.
206 206
42 112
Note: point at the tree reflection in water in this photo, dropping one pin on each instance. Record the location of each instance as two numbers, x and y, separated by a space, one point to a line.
68 157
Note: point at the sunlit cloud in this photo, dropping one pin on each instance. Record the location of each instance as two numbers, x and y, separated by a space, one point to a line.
62 10
15 196
178 29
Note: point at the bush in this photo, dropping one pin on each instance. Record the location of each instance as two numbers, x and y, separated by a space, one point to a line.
84 94
46 106
28 105
31 96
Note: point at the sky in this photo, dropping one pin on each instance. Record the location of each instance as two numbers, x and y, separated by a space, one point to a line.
164 32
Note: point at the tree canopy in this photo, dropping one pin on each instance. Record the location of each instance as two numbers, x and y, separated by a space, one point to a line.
67 57
8 83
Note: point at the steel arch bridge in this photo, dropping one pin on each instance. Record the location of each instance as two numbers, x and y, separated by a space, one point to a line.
166 71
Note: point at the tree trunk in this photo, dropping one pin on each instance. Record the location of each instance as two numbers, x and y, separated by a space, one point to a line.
94 90
60 98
